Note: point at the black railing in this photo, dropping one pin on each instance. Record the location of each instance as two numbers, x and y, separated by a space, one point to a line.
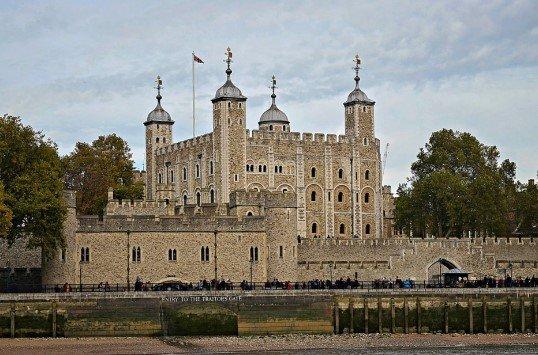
274 285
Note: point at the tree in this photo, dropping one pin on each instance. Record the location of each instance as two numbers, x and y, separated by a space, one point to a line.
6 215
457 186
92 168
30 172
527 208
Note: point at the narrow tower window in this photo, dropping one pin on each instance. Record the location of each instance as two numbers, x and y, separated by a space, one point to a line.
314 227
342 228
313 196
340 197
340 174
313 172
367 175
366 197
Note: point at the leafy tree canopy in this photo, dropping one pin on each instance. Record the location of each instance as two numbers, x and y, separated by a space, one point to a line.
457 186
31 203
92 168
527 208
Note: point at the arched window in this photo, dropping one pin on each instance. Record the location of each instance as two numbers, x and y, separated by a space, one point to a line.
270 127
160 178
313 172
252 167
184 174
197 170
212 196
366 197
276 169
249 213
342 228
265 168
169 254
340 196
255 253
365 141
340 173
84 255
202 254
157 140
367 175
260 168
284 190
136 254
211 168
280 169
367 229
313 196
206 253
314 227
198 198
184 200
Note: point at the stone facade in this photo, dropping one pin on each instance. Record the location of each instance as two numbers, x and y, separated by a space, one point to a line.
263 205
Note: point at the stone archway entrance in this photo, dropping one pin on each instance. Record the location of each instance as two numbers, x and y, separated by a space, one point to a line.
437 269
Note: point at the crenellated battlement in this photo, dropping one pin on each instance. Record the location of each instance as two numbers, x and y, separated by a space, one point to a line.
189 143
257 136
153 223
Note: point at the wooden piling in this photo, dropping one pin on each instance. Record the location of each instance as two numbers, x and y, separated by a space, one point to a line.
484 315
509 315
535 314
470 310
406 316
379 315
336 318
365 315
12 316
392 316
418 315
351 311
522 313
54 324
446 317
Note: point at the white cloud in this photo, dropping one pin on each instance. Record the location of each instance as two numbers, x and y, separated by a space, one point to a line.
77 70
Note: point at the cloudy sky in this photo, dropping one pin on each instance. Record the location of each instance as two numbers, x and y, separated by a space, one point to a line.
79 69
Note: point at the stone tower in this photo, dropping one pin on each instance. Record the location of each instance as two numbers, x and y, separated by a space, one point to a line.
365 162
229 136
158 135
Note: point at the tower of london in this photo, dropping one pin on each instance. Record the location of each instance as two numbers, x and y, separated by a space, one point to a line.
266 204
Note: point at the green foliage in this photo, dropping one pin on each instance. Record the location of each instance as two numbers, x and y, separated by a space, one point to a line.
527 207
6 216
457 186
92 169
30 171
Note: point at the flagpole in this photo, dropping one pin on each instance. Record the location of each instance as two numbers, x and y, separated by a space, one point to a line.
193 101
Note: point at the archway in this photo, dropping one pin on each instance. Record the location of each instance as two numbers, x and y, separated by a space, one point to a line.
438 268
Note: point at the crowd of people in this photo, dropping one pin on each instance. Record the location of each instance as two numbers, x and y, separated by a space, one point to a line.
317 284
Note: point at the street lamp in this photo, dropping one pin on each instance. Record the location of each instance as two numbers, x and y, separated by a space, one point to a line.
128 260
251 266
440 265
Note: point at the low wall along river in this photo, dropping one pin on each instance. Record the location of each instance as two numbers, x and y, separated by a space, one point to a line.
268 312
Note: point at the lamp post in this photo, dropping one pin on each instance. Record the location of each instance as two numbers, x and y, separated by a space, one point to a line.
439 271
80 275
128 260
251 266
